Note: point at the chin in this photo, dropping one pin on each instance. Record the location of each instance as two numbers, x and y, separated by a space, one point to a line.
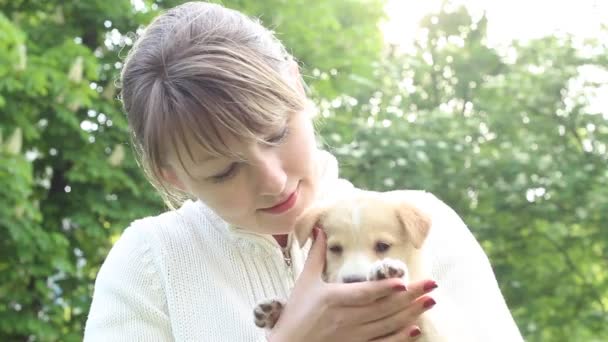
283 225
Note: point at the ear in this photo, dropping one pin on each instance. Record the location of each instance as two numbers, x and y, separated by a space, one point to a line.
306 222
414 222
170 176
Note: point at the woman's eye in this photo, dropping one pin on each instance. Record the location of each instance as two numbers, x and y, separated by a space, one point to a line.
279 138
230 172
382 247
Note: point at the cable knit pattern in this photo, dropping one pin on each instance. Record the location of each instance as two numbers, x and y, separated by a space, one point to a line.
186 275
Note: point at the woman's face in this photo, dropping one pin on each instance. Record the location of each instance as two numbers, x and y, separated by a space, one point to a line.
266 193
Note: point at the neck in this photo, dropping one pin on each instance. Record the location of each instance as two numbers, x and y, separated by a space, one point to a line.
281 239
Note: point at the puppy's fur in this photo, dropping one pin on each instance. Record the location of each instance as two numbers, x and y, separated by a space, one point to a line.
371 236
367 227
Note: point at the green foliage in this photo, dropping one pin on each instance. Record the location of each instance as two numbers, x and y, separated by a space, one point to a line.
60 193
507 137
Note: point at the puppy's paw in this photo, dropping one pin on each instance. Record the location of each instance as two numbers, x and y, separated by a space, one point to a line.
267 313
387 268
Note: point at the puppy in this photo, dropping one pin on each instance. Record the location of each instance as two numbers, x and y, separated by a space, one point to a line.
370 236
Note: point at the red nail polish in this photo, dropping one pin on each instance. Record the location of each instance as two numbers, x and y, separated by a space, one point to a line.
429 303
430 285
415 332
400 287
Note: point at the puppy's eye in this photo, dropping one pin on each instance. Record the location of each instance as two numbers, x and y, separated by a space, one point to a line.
382 247
336 249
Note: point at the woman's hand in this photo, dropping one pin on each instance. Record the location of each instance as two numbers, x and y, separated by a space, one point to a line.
367 311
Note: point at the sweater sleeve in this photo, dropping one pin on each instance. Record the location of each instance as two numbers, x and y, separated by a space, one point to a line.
128 301
465 275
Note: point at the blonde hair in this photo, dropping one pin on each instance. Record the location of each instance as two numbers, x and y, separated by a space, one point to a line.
197 70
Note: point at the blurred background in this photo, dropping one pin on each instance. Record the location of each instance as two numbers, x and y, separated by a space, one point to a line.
500 108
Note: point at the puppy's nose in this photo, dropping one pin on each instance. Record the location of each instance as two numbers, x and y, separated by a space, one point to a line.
353 279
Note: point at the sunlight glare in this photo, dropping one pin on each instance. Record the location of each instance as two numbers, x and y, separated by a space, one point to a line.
507 20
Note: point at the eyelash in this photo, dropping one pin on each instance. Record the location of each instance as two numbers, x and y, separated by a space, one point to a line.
279 138
232 170
226 175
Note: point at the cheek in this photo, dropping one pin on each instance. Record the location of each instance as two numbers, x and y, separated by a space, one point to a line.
299 150
332 266
399 252
298 156
226 200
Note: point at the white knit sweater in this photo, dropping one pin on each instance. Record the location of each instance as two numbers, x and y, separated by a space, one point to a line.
187 275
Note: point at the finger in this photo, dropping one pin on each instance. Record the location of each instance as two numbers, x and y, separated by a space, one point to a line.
399 320
316 257
419 288
411 333
364 293
381 308
367 306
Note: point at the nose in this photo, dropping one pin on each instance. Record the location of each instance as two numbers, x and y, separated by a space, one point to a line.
271 177
353 279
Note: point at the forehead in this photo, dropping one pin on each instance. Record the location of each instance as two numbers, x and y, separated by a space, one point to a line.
363 217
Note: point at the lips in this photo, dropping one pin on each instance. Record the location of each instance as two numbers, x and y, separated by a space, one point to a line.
285 205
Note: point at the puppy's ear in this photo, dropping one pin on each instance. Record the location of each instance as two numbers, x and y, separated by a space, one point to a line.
414 222
306 222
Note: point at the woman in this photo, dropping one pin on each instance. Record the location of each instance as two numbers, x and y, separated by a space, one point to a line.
218 113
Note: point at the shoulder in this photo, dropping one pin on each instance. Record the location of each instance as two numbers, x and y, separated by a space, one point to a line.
129 258
156 238
192 221
330 186
142 255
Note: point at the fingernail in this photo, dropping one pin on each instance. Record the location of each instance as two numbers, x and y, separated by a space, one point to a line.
400 287
430 285
315 233
415 332
429 303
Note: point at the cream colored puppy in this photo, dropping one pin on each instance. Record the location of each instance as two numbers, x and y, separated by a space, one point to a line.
372 236
365 229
